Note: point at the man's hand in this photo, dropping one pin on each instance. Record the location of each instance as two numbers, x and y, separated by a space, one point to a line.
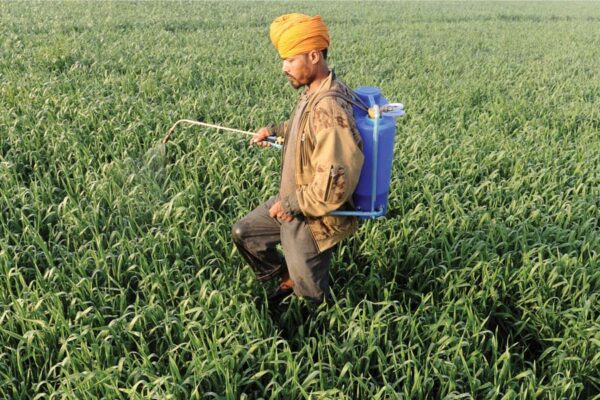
260 138
276 211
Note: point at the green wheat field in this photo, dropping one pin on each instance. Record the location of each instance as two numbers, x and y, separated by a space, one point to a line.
121 281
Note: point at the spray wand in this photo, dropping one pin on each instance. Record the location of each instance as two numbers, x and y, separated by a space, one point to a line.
271 139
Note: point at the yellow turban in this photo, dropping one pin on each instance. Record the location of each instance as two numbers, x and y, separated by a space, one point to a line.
293 34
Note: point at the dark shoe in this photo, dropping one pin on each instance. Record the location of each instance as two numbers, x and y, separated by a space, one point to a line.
278 295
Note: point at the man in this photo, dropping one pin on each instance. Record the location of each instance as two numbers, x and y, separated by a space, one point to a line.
322 160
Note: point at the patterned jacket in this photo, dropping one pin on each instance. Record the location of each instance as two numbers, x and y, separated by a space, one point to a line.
329 159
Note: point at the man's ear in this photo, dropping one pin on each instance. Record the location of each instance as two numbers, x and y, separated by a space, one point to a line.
314 56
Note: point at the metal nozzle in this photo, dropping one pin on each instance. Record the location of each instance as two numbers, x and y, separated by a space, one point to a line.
168 135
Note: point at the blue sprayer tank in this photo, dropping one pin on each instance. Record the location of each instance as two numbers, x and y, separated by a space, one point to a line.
385 154
371 193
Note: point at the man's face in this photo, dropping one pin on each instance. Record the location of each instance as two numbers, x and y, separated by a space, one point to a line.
299 70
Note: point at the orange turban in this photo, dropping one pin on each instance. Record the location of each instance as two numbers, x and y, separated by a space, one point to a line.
293 34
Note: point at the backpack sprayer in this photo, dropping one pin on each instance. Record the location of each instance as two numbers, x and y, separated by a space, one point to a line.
375 120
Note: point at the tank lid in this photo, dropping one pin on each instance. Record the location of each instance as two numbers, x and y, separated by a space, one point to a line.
364 92
368 91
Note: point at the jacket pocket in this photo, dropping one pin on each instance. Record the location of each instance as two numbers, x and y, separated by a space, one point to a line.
305 173
327 194
302 153
336 184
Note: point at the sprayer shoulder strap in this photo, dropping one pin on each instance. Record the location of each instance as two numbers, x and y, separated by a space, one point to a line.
354 100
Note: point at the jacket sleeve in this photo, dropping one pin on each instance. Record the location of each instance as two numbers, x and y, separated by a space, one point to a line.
278 129
337 160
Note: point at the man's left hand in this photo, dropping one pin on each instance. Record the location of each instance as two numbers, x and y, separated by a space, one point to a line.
276 211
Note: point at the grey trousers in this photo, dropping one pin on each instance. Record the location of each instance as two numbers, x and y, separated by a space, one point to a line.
256 237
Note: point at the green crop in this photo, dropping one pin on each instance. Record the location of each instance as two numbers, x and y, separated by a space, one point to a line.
118 277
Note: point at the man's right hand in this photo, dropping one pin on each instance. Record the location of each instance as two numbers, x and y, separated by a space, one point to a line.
260 138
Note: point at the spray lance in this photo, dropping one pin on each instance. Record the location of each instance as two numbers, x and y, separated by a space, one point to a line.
155 158
271 139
